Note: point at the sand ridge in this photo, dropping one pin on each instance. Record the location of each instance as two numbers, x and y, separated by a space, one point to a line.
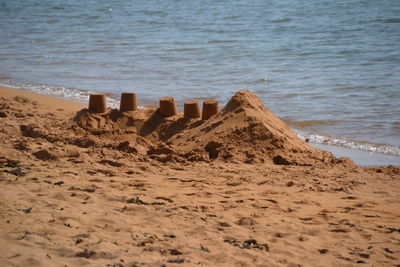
86 189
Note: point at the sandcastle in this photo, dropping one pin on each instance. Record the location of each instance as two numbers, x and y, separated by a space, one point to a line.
243 131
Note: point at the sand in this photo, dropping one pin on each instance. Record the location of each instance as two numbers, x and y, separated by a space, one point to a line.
137 189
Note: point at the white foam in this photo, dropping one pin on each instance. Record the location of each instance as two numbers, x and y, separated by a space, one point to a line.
71 94
342 142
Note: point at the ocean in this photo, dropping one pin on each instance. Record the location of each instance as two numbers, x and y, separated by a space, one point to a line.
330 69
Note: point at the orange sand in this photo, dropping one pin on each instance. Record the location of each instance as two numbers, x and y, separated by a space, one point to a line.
137 189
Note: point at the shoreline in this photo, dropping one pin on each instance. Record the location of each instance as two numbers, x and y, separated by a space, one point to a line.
78 188
360 157
49 101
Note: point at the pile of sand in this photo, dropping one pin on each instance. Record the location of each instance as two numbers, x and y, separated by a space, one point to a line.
243 131
246 131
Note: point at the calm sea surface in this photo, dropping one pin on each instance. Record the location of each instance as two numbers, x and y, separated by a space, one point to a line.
331 69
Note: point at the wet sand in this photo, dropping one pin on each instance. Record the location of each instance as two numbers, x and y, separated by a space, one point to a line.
78 188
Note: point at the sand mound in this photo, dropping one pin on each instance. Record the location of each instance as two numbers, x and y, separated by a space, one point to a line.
244 131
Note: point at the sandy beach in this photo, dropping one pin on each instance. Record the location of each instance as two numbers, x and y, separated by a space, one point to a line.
138 189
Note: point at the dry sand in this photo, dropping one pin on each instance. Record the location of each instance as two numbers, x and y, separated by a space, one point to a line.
136 189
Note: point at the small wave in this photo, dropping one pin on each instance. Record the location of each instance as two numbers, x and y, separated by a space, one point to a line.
281 20
186 49
349 52
52 21
221 41
234 17
352 144
396 125
305 54
258 81
150 22
154 13
92 17
71 94
396 20
312 122
262 80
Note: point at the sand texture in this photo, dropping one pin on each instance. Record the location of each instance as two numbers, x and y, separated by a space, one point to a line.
137 189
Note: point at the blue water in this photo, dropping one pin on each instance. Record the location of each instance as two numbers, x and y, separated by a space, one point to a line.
331 69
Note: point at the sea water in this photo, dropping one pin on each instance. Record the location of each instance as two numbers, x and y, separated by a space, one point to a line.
330 69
